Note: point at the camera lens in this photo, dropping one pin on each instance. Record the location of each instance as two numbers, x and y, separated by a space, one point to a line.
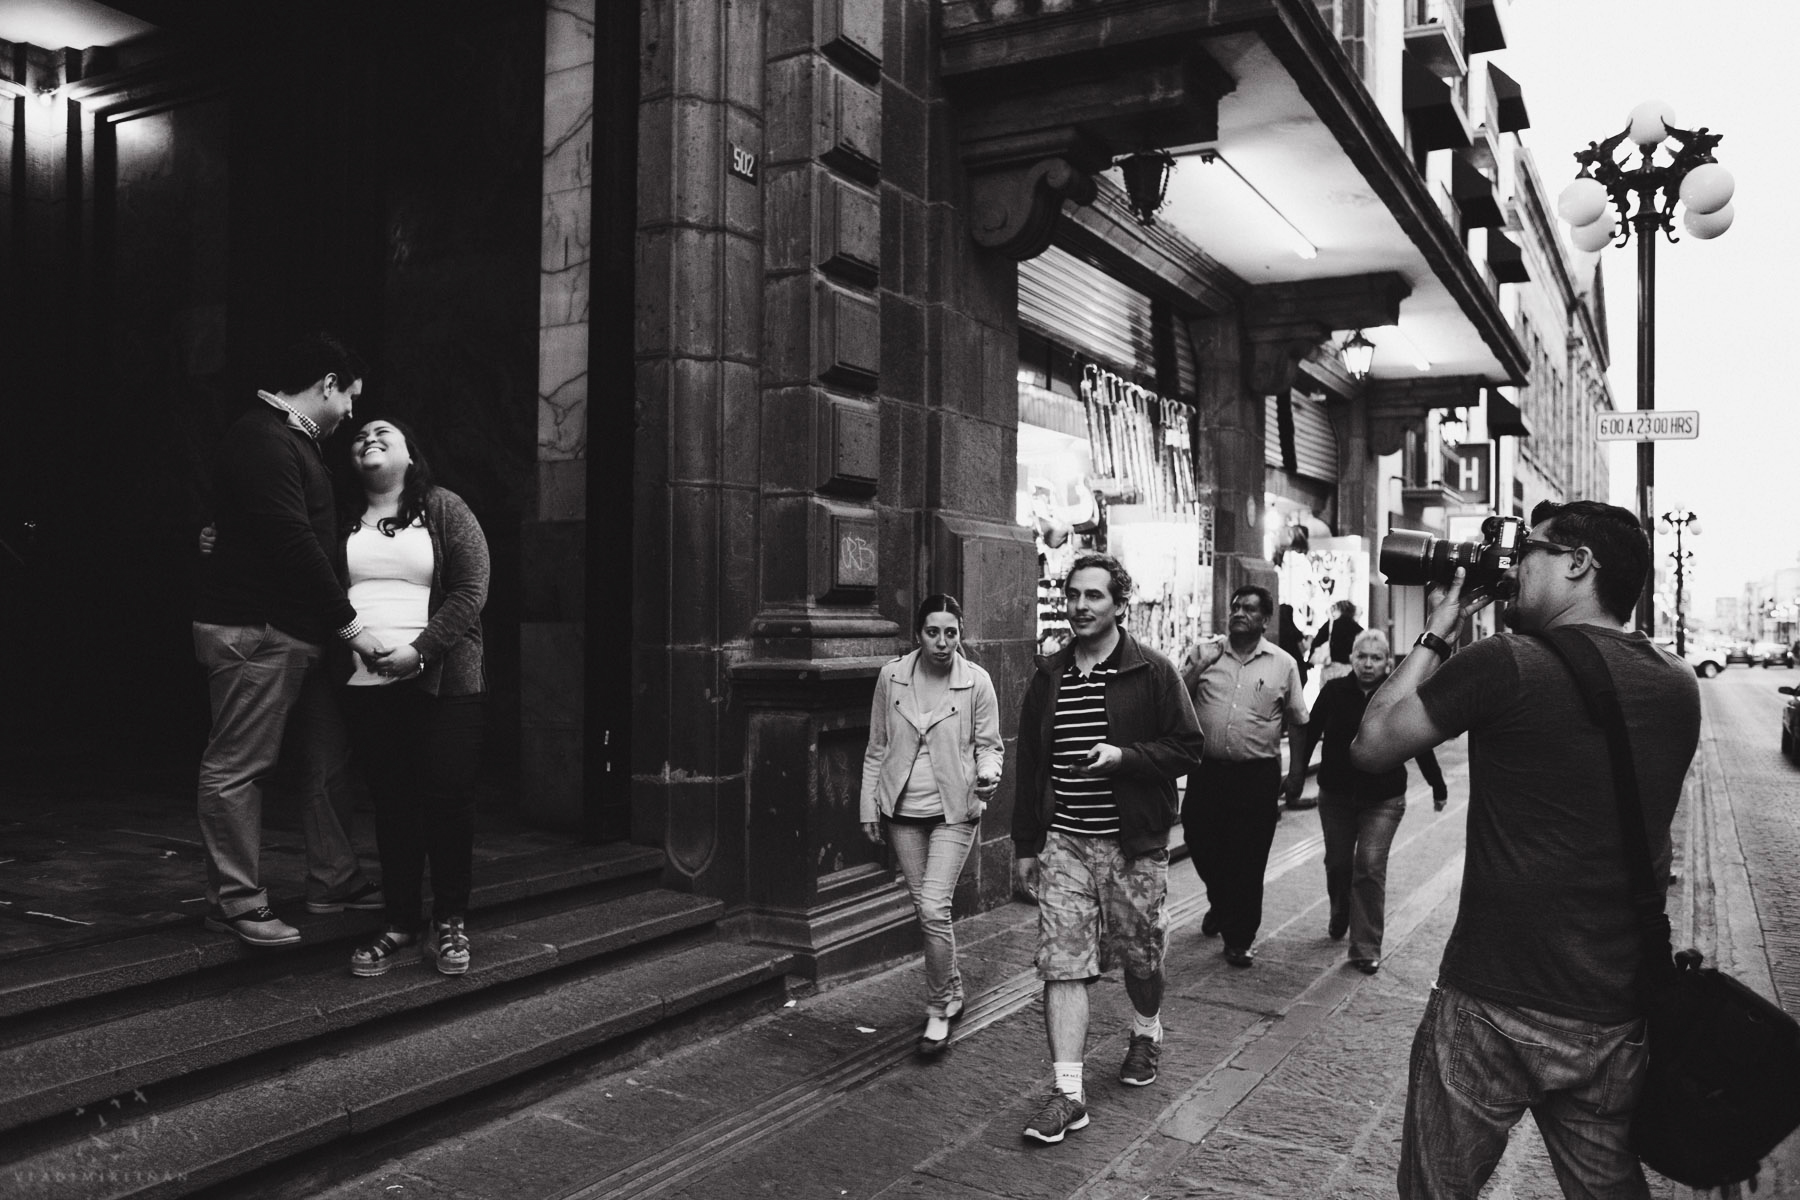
1406 557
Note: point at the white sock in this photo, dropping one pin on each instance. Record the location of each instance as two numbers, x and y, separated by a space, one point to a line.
1068 1079
1150 1026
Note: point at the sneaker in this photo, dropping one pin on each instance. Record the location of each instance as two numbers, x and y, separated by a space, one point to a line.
258 927
374 959
1060 1114
450 944
1140 1061
367 898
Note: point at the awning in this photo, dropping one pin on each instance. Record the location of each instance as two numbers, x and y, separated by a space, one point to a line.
1432 108
1503 417
1505 258
1507 100
1476 196
1483 29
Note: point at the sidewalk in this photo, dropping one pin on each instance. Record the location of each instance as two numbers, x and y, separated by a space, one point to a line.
1286 1080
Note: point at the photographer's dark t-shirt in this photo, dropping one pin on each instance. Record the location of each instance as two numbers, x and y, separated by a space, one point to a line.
1545 920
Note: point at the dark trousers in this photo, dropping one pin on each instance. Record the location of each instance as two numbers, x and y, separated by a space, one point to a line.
419 754
1229 818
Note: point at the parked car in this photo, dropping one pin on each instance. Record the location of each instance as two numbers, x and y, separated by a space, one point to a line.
1706 660
1741 652
1790 723
1774 654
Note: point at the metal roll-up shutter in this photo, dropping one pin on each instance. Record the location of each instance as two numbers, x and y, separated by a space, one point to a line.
1080 306
1315 444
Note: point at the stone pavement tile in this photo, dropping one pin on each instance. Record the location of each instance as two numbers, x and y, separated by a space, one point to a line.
1300 1121
1230 1164
1004 1164
400 1185
534 1156
852 1151
634 1111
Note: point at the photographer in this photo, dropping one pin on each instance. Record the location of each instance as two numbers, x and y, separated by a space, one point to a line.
1534 1006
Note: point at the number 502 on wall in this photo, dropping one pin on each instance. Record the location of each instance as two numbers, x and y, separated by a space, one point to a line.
1655 425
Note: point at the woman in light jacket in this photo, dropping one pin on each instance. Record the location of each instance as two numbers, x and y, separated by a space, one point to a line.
933 761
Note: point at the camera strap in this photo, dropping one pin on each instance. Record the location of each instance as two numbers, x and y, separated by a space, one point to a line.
1593 678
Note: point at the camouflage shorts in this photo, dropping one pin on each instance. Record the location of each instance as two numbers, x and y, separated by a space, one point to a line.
1098 909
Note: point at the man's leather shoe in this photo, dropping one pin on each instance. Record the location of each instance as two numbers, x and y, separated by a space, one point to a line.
1209 924
1240 957
1339 926
1368 966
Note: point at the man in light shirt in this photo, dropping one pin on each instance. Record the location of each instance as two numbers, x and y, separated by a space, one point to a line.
1243 686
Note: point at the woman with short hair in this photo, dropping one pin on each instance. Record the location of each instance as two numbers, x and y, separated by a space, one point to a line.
1358 810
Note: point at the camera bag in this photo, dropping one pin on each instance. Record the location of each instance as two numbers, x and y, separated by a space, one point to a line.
1723 1083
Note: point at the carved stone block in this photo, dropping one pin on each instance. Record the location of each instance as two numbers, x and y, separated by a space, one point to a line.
848 341
846 554
850 446
850 33
849 126
849 232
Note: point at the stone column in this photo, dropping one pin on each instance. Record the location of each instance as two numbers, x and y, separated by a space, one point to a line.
552 626
699 456
1230 421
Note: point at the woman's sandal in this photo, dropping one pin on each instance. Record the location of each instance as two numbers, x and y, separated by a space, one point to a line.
375 958
452 947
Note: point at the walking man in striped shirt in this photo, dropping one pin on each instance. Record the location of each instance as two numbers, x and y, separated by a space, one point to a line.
1243 687
1105 730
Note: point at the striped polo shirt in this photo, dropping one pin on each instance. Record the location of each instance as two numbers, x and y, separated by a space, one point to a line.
1084 803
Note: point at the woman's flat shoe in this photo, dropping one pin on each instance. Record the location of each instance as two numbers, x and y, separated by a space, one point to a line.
929 1045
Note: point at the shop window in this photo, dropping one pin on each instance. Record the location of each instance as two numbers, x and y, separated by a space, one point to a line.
1112 469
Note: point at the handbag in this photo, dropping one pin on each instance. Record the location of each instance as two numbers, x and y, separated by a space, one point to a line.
1723 1084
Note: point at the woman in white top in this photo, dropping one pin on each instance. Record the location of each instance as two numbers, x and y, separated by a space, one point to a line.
417 572
933 761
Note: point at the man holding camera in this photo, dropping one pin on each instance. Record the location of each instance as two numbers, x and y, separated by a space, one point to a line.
1534 1006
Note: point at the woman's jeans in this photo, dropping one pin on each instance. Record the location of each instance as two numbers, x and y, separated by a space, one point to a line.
1478 1065
931 857
419 754
1357 839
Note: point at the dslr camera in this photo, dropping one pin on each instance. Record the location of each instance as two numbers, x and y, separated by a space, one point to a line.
1409 558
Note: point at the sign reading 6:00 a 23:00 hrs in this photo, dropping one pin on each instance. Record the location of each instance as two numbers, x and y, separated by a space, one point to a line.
1646 426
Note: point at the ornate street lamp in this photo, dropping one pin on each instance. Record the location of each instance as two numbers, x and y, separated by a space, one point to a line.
1358 353
1703 188
1681 520
1146 183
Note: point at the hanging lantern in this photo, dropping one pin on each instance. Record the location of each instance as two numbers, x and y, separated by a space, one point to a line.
1358 353
1146 183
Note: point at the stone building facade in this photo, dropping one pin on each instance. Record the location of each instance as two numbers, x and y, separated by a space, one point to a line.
716 310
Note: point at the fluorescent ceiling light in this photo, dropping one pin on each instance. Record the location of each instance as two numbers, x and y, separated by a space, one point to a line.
1297 241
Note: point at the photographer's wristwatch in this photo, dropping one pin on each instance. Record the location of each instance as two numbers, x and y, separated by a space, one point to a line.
1434 643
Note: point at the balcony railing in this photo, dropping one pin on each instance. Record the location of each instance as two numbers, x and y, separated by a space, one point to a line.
1434 33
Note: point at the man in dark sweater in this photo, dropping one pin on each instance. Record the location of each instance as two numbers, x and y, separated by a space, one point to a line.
269 601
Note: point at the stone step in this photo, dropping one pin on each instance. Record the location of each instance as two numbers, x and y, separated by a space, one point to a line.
50 980
139 1040
356 1081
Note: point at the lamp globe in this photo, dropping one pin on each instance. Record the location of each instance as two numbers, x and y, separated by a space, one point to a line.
1704 225
1650 121
1582 202
1707 188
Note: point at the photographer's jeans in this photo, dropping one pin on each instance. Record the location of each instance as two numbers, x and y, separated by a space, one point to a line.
931 857
1357 840
1478 1066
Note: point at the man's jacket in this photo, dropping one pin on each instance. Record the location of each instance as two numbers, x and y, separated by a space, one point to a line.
1149 718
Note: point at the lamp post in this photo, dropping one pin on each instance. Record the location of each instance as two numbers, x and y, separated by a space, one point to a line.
1681 520
1690 176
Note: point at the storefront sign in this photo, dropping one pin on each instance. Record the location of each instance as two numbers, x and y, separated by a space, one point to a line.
1647 426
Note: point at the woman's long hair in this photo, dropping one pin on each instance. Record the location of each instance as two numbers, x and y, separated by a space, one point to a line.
414 487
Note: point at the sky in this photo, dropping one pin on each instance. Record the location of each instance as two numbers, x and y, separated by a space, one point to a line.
1725 328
